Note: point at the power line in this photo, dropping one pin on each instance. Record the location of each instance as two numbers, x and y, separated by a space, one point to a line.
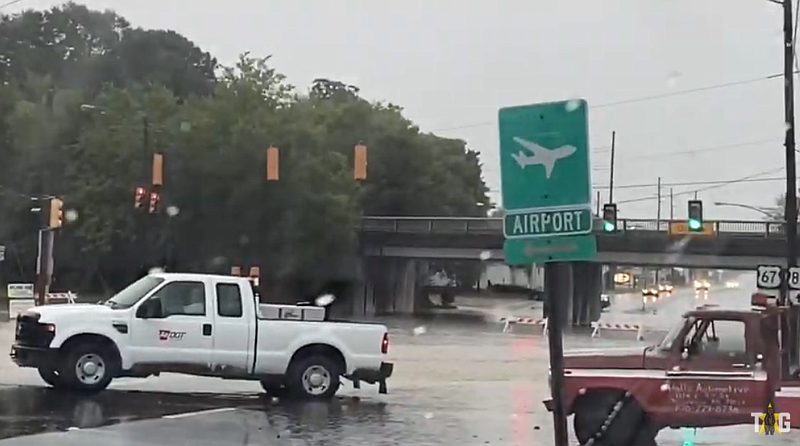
642 98
12 2
682 152
713 185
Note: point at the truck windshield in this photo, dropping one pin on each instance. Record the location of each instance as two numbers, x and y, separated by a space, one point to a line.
133 292
669 339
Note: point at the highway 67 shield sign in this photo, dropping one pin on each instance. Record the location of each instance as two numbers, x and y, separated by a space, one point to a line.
770 277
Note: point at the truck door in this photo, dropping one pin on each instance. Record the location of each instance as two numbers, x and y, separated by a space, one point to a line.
178 332
234 324
716 373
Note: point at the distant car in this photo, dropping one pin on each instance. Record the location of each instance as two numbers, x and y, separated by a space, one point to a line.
665 288
605 301
731 284
536 295
701 285
650 291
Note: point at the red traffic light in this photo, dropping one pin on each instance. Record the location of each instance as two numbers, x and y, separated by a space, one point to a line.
139 197
155 198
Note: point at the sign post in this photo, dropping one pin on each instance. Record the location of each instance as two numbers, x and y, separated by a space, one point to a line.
546 185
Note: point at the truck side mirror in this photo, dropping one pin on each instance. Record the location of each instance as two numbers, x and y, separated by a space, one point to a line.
150 309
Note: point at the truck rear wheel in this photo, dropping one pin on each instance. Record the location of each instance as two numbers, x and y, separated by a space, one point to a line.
88 366
51 377
315 377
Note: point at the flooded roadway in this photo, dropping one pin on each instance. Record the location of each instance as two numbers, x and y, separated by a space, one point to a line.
454 384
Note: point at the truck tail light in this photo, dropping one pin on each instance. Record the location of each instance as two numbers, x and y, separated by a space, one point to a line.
385 344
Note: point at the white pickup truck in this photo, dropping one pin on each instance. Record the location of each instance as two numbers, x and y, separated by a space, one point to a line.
203 325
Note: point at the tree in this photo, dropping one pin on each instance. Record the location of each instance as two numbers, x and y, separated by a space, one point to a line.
213 127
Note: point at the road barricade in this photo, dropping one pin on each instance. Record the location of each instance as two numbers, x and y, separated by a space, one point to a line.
510 322
60 298
610 326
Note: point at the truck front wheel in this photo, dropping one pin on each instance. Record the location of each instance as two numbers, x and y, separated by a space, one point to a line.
88 366
315 377
628 427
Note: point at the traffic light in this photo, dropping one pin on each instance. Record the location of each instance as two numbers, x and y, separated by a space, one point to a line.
360 162
609 217
56 213
155 198
273 163
158 169
695 222
138 198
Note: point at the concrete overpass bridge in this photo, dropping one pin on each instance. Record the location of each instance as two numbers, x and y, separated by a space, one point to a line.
730 245
398 250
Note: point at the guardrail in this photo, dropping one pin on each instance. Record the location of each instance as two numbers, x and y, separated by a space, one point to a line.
493 226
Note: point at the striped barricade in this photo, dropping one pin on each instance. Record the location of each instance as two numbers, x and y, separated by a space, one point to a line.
60 298
600 325
510 322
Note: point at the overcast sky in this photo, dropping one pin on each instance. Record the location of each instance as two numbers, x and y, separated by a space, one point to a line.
452 63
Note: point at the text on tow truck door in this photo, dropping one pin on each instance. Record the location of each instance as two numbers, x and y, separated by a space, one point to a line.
715 370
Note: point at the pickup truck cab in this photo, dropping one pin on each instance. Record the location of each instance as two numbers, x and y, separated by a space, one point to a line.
717 367
204 325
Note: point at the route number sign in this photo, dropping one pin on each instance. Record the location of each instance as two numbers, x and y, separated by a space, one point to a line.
769 277
793 278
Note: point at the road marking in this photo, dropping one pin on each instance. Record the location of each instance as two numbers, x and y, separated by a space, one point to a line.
199 412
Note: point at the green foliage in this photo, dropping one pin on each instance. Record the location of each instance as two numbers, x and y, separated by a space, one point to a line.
86 100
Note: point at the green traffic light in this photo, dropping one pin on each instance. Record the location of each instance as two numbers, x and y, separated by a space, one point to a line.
608 226
694 224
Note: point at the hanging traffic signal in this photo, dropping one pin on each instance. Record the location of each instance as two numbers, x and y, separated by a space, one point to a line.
158 169
609 217
360 162
56 213
273 163
138 198
155 198
695 222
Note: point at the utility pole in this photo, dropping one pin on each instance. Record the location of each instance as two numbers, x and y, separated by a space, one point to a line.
790 322
658 218
598 204
611 181
671 205
791 182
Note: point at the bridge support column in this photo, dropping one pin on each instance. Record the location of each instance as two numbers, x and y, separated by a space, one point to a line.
594 288
580 293
406 289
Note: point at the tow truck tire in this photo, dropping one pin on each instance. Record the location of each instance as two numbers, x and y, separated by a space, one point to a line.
88 367
630 427
51 377
591 411
315 377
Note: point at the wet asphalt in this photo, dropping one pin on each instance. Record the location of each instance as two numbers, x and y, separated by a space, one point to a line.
455 383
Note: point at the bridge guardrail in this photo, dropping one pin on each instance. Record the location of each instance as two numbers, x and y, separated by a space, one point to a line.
492 225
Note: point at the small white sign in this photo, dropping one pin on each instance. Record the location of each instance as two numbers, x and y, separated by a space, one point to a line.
793 278
769 277
20 290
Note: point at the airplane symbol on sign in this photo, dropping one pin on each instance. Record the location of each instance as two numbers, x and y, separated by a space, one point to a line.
541 155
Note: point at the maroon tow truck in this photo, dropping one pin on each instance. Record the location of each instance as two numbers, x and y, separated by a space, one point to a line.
715 368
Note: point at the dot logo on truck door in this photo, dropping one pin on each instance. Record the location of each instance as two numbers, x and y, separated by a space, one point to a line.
166 335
